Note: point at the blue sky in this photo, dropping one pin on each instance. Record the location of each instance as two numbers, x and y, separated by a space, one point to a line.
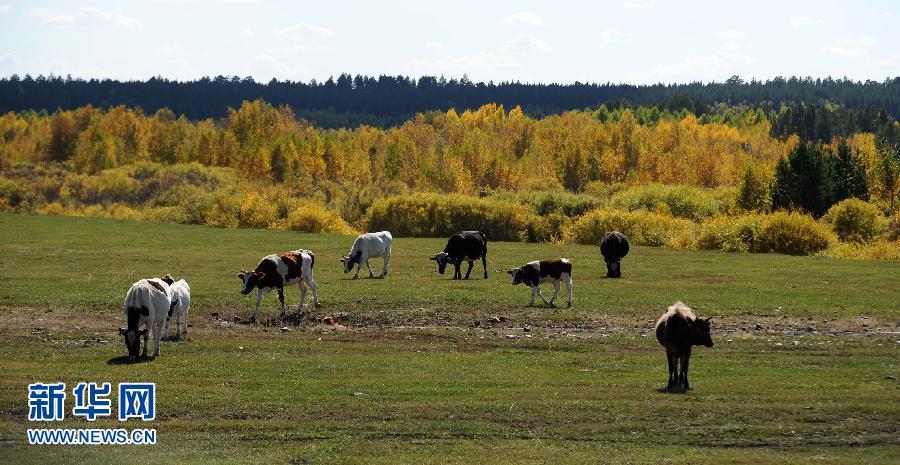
636 41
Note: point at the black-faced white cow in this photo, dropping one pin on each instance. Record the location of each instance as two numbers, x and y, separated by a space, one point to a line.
278 270
181 305
366 246
147 303
678 330
463 246
613 248
532 274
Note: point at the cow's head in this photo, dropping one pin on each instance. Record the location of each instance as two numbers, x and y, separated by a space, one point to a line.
442 259
700 333
167 278
613 269
349 261
517 275
250 279
133 340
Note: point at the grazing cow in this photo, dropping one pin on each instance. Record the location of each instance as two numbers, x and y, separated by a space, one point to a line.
534 273
463 246
614 247
366 246
278 270
147 303
678 330
181 304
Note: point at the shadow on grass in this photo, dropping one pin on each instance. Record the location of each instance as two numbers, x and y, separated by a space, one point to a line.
676 390
126 360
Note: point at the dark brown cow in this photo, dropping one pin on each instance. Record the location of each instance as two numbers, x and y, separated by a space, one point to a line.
555 271
278 270
678 330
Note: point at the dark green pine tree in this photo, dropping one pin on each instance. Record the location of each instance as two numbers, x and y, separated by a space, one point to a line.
802 181
848 175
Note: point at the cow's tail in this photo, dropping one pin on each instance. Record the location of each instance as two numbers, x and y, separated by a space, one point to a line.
312 260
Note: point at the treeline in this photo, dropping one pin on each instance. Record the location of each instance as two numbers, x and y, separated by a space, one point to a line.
383 101
667 177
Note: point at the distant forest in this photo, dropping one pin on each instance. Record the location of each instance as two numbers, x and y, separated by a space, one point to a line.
350 101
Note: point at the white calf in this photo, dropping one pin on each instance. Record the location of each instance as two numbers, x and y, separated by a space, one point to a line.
366 246
181 304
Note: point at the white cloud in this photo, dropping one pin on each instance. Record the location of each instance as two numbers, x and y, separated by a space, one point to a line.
640 5
435 44
480 66
57 17
9 60
524 18
169 51
730 34
51 16
247 33
807 21
611 36
525 43
302 29
718 65
5 7
888 13
892 61
849 47
732 46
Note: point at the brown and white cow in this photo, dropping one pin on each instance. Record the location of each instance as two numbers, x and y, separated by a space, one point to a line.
278 270
534 273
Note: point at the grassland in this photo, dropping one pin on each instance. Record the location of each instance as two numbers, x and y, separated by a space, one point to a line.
428 370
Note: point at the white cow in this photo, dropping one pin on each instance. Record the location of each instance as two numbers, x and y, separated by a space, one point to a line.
366 246
147 303
181 304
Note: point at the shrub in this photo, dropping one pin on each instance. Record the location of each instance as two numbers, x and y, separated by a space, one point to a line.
892 231
641 227
792 234
682 201
434 215
257 212
875 250
855 220
547 228
754 190
15 197
310 218
730 233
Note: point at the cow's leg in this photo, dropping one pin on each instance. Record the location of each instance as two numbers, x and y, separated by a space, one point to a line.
281 299
534 290
456 272
556 286
177 324
685 361
146 337
371 275
541 295
358 269
484 263
166 328
569 286
259 294
469 271
157 338
672 362
387 258
302 295
311 283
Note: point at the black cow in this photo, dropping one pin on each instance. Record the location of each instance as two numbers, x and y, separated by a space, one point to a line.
614 247
678 330
463 246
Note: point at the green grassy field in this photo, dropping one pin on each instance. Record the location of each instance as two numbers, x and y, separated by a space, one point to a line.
421 374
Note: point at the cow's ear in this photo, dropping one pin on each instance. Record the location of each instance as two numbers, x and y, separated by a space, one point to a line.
511 271
121 331
241 276
259 274
708 320
342 259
